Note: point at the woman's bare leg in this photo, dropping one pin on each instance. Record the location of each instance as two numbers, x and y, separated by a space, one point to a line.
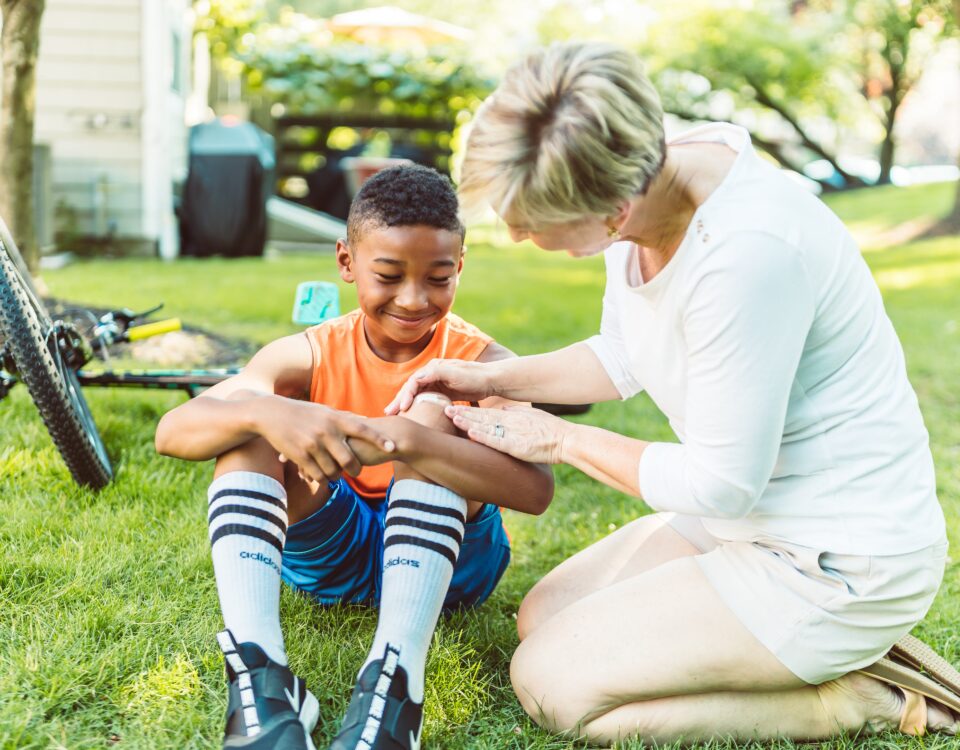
854 703
637 547
659 655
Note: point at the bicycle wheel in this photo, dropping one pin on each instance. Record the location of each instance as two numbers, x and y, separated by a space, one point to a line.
53 386
6 239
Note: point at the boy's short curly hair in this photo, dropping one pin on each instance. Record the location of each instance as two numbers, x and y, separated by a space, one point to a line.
402 196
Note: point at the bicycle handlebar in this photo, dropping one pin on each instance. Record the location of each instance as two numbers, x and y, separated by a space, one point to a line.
136 333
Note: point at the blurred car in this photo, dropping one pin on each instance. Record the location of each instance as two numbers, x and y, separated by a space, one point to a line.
868 170
823 171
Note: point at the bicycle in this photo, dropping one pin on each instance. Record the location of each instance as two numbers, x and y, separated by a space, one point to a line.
47 355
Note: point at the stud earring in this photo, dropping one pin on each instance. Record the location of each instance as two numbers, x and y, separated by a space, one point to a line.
613 232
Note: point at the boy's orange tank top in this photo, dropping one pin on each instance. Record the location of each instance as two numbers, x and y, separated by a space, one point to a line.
348 375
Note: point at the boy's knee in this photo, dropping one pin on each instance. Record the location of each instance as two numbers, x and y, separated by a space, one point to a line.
427 409
256 455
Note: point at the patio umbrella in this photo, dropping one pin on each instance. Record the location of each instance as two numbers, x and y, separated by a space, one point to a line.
395 25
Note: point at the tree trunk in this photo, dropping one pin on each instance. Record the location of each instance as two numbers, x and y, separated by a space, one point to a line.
888 145
19 45
895 94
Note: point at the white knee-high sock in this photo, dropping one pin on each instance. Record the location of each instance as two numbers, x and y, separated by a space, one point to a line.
247 517
424 529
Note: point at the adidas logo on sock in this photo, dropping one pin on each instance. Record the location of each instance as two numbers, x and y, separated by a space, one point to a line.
401 561
259 557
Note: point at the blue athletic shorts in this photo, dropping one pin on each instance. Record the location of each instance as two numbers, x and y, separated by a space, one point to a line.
336 554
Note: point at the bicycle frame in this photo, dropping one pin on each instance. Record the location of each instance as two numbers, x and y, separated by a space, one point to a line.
191 381
79 352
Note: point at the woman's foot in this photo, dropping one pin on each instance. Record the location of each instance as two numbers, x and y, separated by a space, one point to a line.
856 700
883 707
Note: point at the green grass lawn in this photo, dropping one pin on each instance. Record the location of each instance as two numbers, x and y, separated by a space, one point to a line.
108 607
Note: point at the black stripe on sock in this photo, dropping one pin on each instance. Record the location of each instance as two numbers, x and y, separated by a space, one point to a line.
436 528
416 541
252 494
427 508
246 510
241 529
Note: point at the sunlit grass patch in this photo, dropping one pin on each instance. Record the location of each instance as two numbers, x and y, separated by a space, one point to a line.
459 688
161 688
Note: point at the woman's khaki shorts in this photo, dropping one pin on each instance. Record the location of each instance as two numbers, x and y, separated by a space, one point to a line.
821 614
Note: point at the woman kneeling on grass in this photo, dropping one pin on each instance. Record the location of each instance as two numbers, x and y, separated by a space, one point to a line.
797 535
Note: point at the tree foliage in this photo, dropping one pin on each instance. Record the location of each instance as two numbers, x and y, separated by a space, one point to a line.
719 63
890 42
227 24
798 74
348 77
290 59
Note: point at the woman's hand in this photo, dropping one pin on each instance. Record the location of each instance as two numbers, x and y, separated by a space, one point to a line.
457 379
520 431
315 437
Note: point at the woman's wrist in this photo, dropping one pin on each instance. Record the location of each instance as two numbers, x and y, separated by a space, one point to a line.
497 378
606 456
568 442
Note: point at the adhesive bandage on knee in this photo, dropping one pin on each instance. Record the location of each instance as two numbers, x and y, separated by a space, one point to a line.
432 398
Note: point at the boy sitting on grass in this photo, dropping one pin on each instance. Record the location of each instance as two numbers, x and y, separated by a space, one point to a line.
304 488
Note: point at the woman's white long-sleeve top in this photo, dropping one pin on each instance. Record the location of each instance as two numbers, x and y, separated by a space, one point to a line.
765 342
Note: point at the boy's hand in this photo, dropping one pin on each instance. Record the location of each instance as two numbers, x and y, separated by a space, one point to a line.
315 437
371 454
457 379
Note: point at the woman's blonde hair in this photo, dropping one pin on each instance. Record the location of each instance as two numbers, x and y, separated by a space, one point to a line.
572 130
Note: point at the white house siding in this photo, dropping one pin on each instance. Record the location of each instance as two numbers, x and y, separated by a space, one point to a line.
89 101
106 108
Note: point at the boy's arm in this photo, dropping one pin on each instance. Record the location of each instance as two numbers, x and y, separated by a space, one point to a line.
265 399
475 471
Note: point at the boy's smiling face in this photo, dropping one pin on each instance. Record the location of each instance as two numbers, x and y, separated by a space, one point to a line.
406 279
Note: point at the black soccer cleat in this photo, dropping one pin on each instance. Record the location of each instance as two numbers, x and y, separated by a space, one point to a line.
381 715
269 707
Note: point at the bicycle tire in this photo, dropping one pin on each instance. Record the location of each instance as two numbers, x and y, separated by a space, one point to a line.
6 239
52 384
